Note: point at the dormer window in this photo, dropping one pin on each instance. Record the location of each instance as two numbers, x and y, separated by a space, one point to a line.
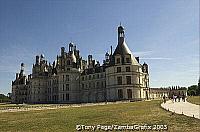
127 60
118 60
68 62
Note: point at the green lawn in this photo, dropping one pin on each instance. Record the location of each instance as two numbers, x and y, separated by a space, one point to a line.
147 112
194 99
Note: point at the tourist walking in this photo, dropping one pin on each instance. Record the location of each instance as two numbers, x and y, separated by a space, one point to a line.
183 97
178 98
164 99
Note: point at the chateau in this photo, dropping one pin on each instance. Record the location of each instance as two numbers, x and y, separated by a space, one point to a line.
71 79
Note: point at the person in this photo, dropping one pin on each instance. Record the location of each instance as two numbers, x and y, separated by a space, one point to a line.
183 97
173 98
164 99
178 98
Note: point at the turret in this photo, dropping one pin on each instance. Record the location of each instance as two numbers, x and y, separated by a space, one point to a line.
17 76
73 57
62 51
70 47
37 60
122 49
89 59
120 34
145 68
22 70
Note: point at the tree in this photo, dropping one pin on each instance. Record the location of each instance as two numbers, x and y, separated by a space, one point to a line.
198 90
4 98
192 90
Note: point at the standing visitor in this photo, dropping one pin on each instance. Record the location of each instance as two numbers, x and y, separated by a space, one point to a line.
183 98
164 99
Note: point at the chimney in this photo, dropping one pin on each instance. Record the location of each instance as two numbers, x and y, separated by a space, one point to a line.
17 76
138 59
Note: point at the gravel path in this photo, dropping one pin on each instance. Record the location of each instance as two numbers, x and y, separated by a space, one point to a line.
55 106
185 108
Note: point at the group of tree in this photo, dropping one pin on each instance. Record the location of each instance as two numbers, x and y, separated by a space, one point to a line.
4 98
194 90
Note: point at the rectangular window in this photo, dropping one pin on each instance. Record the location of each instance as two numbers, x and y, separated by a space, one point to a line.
63 87
67 78
118 69
128 69
82 85
128 79
120 93
118 60
102 75
67 96
102 86
119 80
97 85
67 87
63 97
129 93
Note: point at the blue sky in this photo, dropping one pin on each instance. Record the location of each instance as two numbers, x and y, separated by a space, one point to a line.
165 34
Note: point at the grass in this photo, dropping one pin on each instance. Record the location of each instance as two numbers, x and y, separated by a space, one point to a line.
66 119
194 99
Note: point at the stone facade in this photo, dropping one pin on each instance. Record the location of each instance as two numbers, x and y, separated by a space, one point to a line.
71 79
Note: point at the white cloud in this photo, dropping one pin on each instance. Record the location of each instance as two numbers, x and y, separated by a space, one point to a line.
157 58
142 53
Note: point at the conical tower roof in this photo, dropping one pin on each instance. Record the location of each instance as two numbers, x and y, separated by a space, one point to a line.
122 48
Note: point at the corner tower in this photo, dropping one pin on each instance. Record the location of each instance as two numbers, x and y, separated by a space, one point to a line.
125 79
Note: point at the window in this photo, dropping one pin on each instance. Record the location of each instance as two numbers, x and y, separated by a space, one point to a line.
118 60
119 80
89 85
129 93
89 77
82 78
128 79
127 60
67 87
120 93
63 87
82 85
68 69
118 69
97 85
97 75
68 62
128 69
67 78
67 96
102 75
102 84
